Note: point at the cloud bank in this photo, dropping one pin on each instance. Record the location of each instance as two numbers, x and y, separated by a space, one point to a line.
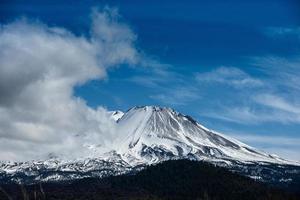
39 68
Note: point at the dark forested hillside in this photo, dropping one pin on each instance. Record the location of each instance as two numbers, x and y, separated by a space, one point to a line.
180 179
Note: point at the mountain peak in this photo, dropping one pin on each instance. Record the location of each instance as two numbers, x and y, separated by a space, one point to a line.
151 108
153 133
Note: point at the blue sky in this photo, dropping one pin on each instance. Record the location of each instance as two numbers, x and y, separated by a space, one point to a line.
232 65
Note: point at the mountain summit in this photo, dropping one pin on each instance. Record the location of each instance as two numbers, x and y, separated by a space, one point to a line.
152 134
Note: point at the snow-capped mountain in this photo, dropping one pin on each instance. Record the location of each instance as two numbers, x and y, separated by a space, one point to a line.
148 135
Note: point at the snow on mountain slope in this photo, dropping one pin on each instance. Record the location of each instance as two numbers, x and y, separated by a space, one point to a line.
147 135
56 169
116 115
151 134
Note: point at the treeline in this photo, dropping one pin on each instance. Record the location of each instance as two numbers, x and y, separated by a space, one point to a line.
180 179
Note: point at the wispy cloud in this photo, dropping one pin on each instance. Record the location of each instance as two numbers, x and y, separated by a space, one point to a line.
277 102
268 140
271 97
178 95
153 74
251 115
284 146
236 114
282 31
168 86
230 76
280 72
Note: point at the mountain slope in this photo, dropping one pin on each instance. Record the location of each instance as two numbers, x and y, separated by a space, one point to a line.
148 135
151 134
180 179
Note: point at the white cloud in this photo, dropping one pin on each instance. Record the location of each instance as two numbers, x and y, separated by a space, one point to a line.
178 95
229 75
260 110
39 68
243 115
169 87
117 39
287 152
154 74
248 115
286 147
280 72
267 139
273 96
277 102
